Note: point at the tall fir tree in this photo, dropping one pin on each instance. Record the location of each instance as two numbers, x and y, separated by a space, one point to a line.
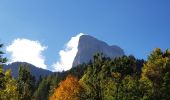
25 83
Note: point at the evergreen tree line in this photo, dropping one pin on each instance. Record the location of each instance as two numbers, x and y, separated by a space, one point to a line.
121 78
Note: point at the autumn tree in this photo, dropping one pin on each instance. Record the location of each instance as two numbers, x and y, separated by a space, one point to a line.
9 90
8 86
155 76
69 89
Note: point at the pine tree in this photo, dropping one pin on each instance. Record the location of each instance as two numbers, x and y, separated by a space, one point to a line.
25 83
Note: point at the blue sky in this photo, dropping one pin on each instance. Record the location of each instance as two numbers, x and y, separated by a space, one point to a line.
137 26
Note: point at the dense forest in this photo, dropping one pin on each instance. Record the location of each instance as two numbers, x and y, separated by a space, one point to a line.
122 78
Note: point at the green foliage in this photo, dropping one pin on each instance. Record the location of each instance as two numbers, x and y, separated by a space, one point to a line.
124 65
155 76
122 78
25 83
106 79
94 80
9 90
48 84
8 86
2 59
42 91
129 89
46 87
165 87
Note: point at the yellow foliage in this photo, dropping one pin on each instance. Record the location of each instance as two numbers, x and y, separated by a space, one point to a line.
116 74
69 89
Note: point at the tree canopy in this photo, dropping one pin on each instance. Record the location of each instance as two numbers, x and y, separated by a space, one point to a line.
120 78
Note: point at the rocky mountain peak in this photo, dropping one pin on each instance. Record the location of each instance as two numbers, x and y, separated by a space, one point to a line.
88 46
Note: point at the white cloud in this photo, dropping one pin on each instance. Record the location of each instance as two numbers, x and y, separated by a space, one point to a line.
25 50
68 54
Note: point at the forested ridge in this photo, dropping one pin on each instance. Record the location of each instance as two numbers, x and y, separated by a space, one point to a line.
121 78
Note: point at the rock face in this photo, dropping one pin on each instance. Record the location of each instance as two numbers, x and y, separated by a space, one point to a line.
88 46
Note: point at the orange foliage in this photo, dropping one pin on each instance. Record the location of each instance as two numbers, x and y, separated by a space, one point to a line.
69 89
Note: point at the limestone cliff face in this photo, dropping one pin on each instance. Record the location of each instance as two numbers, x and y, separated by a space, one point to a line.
88 46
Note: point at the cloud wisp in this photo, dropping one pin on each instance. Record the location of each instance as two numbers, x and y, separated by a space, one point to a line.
67 55
25 50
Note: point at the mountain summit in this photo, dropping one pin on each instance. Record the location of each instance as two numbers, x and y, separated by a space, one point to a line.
88 46
35 71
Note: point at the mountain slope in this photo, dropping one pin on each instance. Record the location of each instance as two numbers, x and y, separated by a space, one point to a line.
37 72
88 46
